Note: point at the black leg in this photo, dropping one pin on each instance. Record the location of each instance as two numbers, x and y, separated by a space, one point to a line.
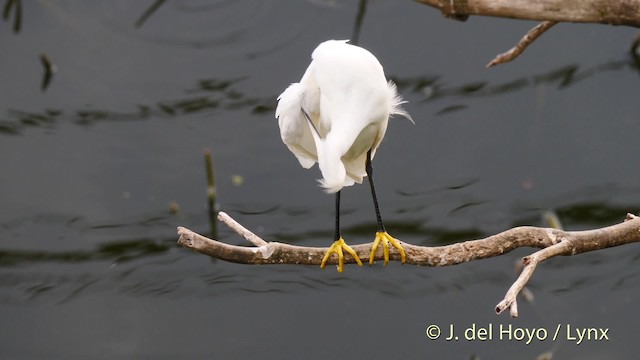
337 236
339 245
369 170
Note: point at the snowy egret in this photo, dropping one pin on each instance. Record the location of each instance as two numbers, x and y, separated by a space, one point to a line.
337 116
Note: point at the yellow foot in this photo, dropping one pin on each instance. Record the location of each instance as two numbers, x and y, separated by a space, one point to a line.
337 247
385 238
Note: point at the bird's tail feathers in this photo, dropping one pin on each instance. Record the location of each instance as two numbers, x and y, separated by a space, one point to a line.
334 174
396 103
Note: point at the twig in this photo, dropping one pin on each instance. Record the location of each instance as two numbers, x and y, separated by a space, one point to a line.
571 243
553 242
530 262
526 40
235 226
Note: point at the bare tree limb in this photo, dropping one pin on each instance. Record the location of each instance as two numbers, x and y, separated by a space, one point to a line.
529 37
553 242
612 12
550 12
575 243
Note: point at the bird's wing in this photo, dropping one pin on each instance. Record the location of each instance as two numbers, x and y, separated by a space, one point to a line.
294 128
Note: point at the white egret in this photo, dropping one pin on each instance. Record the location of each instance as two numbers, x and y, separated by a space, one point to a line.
337 116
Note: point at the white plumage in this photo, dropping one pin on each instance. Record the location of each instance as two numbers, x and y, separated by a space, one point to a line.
349 101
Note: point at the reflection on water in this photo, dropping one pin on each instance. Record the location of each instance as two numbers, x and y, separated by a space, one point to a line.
593 213
116 251
160 277
68 232
126 262
212 94
207 95
435 88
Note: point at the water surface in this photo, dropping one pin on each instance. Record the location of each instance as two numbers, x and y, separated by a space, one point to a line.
93 159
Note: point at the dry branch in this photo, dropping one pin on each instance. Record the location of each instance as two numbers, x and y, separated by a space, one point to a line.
526 40
550 12
553 242
612 12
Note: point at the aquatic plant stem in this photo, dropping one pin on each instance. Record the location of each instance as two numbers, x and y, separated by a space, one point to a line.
211 190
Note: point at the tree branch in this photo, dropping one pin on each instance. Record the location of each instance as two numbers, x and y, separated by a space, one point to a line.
553 242
526 40
550 12
612 12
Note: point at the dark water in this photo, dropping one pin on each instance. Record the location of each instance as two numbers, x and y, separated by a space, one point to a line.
91 161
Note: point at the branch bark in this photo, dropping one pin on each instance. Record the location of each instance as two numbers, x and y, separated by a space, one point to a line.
553 242
612 12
